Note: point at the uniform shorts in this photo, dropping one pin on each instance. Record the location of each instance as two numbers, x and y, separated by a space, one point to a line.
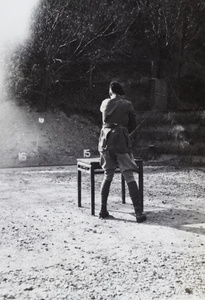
109 161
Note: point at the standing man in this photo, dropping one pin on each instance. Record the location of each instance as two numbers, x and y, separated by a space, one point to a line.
118 120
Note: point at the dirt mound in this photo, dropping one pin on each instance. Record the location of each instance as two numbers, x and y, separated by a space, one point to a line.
30 138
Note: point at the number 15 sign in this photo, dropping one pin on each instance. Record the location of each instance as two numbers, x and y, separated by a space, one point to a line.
86 153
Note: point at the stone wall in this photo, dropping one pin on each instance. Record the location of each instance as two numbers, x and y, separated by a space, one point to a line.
173 135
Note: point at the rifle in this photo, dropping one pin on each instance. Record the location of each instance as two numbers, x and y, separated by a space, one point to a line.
136 129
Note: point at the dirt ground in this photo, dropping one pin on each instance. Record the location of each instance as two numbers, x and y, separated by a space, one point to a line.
51 249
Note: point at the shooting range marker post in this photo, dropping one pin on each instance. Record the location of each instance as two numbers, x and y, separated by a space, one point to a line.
92 167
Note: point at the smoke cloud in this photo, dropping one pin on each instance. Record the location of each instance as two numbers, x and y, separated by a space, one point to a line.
14 28
16 129
14 20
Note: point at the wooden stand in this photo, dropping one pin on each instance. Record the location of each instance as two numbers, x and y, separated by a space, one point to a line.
92 167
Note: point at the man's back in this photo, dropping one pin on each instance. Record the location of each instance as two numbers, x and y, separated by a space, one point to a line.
123 113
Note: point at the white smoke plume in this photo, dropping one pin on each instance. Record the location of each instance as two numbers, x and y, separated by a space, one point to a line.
15 16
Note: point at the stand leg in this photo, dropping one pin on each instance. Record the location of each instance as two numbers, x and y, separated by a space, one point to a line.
123 188
92 192
141 186
79 188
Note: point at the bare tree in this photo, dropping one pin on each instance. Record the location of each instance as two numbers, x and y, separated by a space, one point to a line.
68 36
71 38
168 31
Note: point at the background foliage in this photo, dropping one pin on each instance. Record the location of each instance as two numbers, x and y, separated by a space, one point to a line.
77 47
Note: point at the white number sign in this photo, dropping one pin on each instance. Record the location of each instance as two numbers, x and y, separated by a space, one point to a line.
86 153
22 156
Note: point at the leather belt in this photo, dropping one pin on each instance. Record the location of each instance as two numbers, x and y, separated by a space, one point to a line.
113 125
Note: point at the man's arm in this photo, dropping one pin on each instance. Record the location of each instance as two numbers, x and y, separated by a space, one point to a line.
132 119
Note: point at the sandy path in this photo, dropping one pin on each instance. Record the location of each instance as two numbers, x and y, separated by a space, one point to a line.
51 249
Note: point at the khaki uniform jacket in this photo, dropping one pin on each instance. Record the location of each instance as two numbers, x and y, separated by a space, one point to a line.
118 120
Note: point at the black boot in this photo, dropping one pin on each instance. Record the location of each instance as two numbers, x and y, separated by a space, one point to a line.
140 217
134 195
103 212
105 188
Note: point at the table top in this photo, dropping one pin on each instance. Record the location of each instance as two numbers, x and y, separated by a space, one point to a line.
89 160
96 160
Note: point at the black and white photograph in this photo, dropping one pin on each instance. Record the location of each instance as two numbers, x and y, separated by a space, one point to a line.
102 149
